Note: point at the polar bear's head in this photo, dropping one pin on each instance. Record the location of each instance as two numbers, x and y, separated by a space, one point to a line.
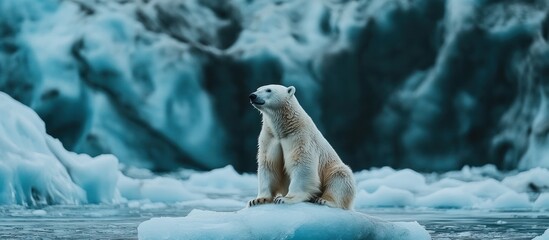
271 96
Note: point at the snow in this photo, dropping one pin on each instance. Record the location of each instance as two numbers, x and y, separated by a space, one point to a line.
299 221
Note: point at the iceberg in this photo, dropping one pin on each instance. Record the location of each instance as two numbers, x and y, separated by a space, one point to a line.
298 221
35 169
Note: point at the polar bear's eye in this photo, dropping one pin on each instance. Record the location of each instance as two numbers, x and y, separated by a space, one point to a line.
268 90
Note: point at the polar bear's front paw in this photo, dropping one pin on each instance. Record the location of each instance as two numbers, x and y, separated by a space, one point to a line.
258 201
319 201
292 199
279 200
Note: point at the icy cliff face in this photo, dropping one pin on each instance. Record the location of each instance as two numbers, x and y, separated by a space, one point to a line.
35 169
426 84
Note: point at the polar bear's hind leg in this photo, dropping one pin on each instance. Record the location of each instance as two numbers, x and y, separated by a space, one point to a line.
339 191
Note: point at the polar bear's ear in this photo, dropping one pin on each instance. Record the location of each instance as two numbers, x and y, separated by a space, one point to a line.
291 90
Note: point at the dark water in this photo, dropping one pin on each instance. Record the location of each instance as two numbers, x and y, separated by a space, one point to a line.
120 222
467 224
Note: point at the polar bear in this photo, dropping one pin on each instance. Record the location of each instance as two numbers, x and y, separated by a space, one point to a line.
295 162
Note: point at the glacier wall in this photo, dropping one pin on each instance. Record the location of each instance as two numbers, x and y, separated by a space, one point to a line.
35 169
427 84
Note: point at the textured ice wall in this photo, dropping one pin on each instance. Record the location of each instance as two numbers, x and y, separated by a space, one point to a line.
35 169
428 84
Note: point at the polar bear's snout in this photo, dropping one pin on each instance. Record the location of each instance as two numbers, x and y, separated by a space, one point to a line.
255 100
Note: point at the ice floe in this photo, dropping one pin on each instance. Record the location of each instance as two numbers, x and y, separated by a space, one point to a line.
299 221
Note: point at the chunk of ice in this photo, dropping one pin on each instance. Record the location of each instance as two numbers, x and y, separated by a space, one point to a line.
298 221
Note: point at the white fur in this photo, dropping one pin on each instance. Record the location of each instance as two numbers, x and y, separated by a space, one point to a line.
295 162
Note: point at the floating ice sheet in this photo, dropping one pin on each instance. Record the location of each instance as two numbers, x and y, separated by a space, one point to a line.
299 221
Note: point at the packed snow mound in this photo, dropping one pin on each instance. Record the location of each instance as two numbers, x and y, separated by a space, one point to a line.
298 221
36 169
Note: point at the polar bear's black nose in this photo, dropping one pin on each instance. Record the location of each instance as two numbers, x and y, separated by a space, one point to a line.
253 96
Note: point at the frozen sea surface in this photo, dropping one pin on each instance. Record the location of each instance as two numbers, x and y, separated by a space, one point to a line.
121 221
